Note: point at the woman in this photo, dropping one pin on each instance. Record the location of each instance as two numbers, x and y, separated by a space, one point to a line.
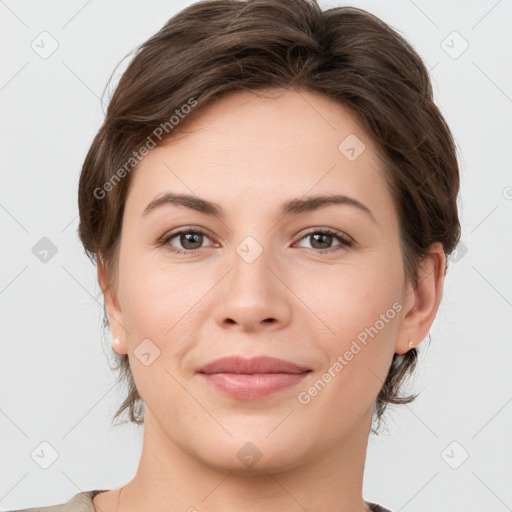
270 202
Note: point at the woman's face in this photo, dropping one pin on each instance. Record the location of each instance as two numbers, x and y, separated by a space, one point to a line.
255 282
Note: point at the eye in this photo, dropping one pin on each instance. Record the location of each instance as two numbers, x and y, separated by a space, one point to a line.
322 238
190 239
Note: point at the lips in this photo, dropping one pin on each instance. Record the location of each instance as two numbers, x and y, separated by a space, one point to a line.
255 365
252 379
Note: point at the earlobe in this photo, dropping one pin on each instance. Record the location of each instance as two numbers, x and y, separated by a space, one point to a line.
114 313
427 297
119 345
116 346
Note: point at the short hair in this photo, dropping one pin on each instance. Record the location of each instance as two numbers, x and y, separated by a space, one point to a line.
215 47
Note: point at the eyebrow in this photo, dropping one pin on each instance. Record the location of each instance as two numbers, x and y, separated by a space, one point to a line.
291 207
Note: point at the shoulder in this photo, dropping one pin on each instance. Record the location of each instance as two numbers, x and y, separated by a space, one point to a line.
81 502
377 508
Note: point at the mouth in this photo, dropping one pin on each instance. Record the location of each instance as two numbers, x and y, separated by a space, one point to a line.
254 378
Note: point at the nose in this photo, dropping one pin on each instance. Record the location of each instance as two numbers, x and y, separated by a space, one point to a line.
253 295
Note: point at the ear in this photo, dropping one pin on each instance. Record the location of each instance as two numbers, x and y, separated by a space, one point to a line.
114 313
422 302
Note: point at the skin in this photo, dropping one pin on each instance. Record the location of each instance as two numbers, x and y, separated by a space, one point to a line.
249 153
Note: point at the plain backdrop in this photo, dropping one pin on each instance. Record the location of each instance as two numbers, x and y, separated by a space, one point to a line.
449 451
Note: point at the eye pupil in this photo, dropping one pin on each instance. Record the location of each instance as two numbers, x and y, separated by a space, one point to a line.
315 238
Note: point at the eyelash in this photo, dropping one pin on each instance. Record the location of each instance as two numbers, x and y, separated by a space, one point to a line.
345 242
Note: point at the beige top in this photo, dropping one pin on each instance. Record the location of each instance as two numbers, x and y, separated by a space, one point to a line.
82 502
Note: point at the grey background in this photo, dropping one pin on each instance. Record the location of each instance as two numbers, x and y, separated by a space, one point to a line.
55 382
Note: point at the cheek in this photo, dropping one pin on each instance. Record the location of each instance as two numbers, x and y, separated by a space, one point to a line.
157 316
153 292
165 305
357 314
348 298
361 310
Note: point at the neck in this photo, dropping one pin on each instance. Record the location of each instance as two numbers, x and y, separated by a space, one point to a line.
170 478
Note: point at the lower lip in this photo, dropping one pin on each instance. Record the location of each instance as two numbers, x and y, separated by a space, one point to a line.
252 386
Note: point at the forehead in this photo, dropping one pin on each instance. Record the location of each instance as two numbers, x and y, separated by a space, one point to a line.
302 121
258 146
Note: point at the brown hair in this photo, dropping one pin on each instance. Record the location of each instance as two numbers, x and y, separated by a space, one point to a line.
213 47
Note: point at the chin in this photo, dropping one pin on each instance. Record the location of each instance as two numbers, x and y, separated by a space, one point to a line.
253 454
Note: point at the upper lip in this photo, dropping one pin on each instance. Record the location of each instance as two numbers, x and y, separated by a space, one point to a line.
261 364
